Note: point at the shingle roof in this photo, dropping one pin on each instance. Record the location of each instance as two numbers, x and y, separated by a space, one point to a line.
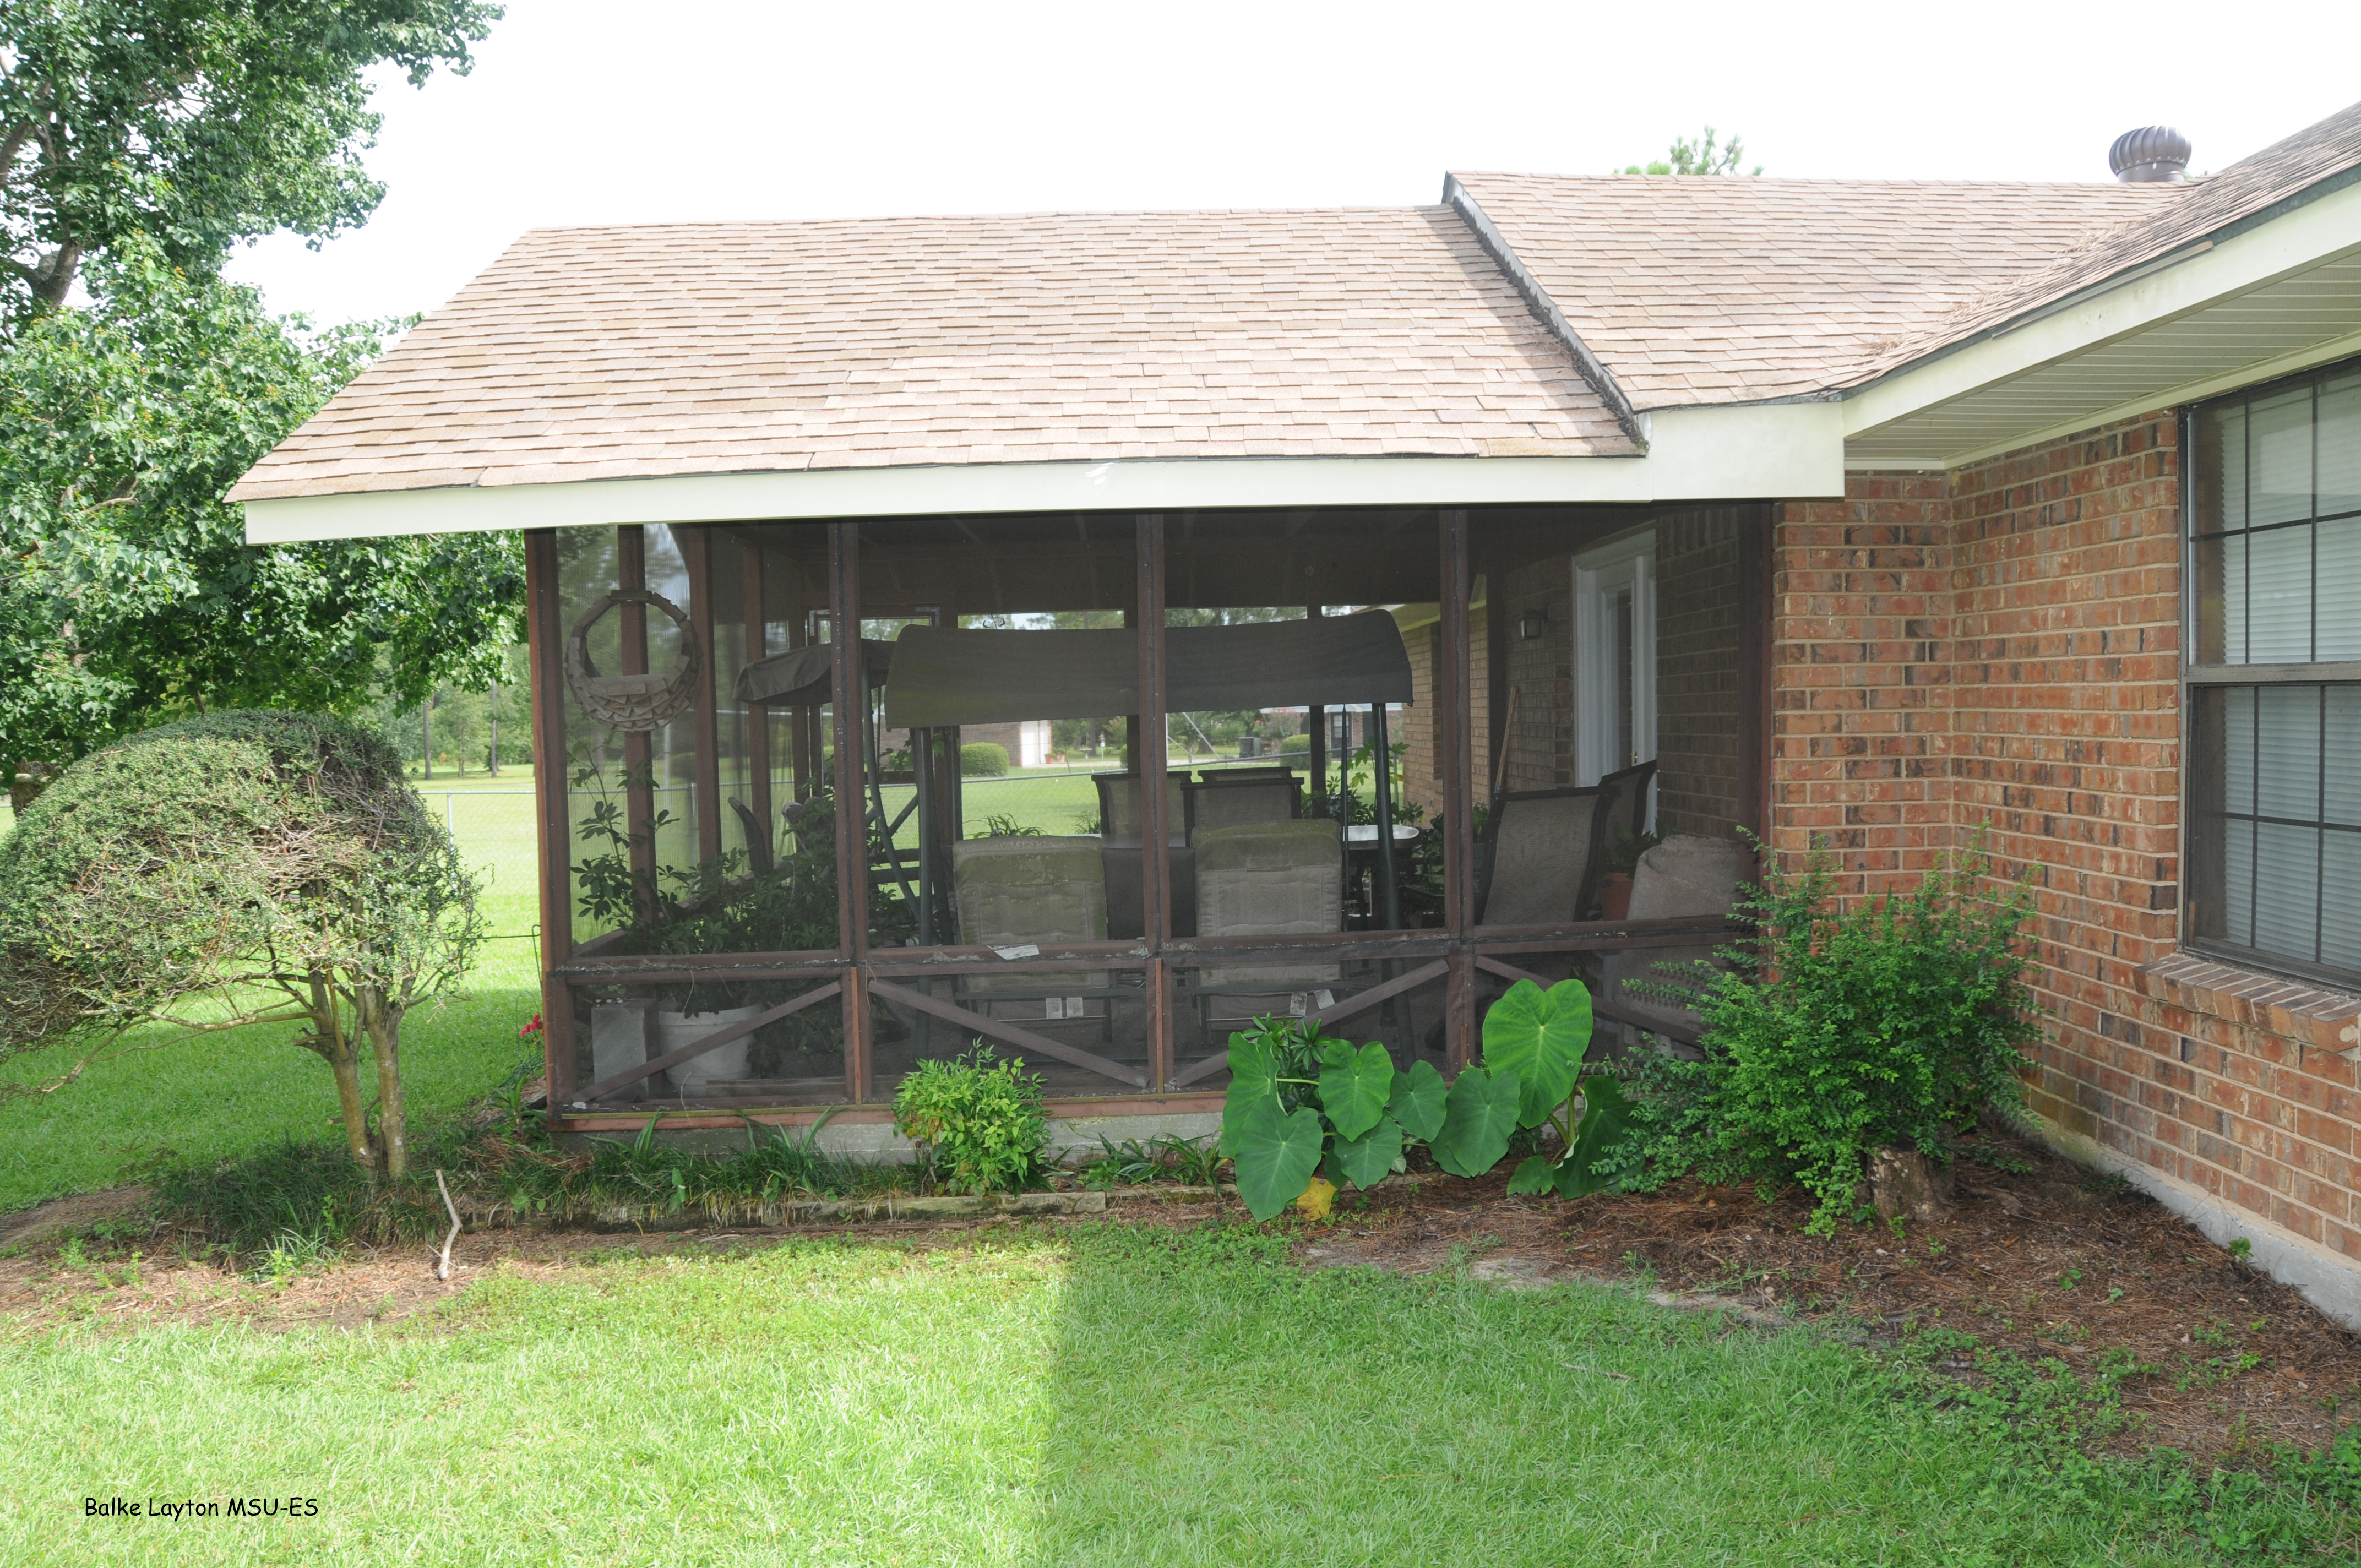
606 353
2201 207
1728 291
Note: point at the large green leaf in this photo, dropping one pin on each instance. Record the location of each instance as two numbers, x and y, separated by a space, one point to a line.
1478 1115
1274 1153
1417 1100
1535 1175
1542 1036
1354 1085
1254 1077
1606 1121
1365 1160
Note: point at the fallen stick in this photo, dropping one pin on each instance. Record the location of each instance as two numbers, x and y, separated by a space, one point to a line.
443 1270
1597 1371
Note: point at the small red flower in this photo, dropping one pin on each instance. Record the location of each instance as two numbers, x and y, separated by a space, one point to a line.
529 1030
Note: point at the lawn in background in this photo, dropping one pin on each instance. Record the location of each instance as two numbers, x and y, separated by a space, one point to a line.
1103 1395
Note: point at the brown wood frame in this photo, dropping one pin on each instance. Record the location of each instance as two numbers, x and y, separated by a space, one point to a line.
1457 953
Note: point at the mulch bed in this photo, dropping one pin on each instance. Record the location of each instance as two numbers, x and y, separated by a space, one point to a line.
2052 1262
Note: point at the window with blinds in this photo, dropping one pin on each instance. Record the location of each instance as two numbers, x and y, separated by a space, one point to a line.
2273 684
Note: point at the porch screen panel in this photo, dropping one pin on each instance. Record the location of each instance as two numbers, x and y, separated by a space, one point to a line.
656 624
2274 682
996 825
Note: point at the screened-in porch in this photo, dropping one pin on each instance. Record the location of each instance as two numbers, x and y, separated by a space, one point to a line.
1100 789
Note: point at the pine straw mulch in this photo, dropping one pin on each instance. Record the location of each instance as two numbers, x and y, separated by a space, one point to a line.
2051 1263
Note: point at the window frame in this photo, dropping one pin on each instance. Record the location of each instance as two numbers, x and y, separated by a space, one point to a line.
2194 676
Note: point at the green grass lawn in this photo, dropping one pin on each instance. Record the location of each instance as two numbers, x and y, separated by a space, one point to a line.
1103 1396
216 1095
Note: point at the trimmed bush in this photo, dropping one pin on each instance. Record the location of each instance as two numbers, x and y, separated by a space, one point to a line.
982 760
277 862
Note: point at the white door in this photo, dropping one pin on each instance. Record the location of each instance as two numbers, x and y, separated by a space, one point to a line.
1615 659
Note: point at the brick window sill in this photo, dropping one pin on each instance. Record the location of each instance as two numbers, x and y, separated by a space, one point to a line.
2322 1019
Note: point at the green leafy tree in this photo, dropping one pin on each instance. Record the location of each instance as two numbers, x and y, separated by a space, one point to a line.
127 591
195 123
1699 157
235 869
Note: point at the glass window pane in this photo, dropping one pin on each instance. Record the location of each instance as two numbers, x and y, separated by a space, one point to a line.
2238 882
2339 440
2338 590
2340 914
2279 597
2221 468
2287 889
2221 599
2282 441
2342 770
2238 749
2287 752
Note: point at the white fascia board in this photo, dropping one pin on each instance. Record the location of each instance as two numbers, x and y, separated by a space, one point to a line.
1760 452
2314 233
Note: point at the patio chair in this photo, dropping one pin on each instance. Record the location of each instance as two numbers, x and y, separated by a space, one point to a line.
1622 803
1120 845
1039 890
1222 800
1687 875
1539 848
1267 879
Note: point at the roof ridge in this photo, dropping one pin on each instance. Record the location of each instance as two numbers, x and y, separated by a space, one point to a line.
1593 370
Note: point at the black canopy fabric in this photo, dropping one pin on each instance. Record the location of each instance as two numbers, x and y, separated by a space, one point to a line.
801 674
946 677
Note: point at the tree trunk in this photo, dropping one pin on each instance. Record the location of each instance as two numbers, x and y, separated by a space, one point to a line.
335 1046
382 1022
1905 1183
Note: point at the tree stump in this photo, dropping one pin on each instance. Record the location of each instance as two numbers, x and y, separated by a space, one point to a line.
1905 1183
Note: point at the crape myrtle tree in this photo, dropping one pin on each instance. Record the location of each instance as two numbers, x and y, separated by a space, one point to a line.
233 869
139 139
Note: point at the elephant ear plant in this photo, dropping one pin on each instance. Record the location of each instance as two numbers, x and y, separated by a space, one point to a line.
1301 1104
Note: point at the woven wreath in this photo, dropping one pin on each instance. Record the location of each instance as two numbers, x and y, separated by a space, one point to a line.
632 702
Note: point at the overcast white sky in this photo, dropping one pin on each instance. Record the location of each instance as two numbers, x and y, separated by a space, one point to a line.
599 111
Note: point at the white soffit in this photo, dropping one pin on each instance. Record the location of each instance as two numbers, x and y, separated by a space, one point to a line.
2282 296
1758 452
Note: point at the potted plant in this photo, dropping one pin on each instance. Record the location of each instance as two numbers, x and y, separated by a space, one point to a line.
1616 870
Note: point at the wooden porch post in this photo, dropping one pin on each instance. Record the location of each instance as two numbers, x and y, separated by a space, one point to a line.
543 622
1755 631
845 698
697 552
1453 697
1154 857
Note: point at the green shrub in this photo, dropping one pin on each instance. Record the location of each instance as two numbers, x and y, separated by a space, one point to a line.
1888 1022
1296 743
979 1124
237 867
982 760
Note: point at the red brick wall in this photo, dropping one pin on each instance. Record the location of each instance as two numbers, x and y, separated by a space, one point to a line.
2000 646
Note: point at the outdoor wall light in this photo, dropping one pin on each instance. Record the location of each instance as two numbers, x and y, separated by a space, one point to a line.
1533 623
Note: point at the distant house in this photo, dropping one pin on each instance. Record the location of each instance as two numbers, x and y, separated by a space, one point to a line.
1865 511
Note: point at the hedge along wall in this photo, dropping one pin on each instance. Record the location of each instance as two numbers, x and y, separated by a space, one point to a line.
2002 643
